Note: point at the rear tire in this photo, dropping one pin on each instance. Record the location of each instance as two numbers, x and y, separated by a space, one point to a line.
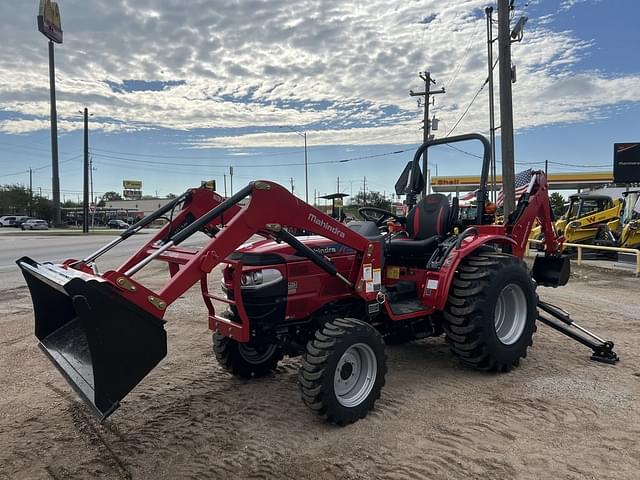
343 370
491 311
245 360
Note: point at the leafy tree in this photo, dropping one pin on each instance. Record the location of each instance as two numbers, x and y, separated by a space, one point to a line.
557 203
14 199
171 196
109 197
372 199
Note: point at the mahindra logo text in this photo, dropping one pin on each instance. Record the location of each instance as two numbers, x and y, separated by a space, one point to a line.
326 226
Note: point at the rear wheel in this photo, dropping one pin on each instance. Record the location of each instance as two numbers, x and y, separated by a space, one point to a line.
244 359
343 370
491 311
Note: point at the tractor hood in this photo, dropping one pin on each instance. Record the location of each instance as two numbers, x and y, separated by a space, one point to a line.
268 252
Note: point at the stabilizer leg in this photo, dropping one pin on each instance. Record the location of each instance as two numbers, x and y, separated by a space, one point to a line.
561 321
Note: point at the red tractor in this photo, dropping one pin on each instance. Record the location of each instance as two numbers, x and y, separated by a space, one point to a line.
333 297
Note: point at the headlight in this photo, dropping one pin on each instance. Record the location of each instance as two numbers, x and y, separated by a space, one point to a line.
574 225
260 278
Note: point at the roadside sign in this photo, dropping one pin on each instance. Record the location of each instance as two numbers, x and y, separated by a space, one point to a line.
92 207
49 20
626 162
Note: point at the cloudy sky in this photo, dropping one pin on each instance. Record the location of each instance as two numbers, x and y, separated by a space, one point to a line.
179 93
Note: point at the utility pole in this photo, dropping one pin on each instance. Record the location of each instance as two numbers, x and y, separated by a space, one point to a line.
306 171
338 185
231 179
224 176
93 199
506 106
426 129
85 198
492 127
364 190
291 185
30 191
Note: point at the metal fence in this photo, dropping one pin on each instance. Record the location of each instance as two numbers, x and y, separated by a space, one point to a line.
580 247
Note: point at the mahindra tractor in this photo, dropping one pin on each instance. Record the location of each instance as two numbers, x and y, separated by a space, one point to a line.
334 297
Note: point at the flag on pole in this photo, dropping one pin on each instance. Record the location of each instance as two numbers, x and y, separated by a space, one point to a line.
522 182
469 196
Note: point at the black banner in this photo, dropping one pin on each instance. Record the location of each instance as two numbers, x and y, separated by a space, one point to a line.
626 162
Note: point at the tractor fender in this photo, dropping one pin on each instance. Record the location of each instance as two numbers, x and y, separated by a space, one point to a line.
450 264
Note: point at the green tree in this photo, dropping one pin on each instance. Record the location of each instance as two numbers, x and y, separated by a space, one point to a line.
14 199
373 199
171 196
109 197
557 203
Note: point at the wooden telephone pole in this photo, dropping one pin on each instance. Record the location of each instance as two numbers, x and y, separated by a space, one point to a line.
506 107
428 81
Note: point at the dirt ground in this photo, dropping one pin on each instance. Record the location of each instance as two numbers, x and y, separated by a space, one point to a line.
559 415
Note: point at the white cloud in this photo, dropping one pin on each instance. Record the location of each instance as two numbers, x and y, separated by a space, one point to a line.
328 67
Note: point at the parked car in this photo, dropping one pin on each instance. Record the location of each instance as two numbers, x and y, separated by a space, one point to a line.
35 224
117 224
7 220
20 220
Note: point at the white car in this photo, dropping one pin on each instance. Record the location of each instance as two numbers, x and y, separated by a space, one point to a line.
8 220
35 224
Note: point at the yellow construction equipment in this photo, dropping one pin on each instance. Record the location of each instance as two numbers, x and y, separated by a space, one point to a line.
586 218
625 232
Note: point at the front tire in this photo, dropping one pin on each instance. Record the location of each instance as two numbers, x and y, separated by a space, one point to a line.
491 311
245 360
343 370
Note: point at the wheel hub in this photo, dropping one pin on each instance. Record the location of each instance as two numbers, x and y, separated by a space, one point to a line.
355 375
511 312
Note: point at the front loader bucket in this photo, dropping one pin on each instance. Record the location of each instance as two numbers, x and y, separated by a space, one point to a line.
551 271
103 344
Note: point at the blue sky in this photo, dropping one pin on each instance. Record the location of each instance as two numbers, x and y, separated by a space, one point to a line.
179 95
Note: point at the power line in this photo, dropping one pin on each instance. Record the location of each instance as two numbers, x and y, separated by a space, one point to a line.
291 164
39 168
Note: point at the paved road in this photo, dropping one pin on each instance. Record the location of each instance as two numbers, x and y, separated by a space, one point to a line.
57 249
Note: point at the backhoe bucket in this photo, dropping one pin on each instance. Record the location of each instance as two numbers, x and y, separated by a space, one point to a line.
550 271
102 343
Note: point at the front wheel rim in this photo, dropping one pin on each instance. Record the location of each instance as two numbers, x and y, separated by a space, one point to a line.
511 313
355 375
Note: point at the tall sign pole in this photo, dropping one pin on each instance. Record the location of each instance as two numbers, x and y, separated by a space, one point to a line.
50 26
85 204
506 107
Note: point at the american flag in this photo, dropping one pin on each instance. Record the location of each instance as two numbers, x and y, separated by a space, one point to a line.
469 196
522 182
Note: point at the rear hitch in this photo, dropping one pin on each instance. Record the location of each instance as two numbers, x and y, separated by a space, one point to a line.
561 321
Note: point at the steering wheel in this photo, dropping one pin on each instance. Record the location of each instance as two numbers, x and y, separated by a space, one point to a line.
379 220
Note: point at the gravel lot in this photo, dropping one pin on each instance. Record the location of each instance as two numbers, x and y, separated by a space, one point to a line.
558 415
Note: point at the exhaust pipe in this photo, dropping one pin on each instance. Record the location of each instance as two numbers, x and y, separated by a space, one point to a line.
102 343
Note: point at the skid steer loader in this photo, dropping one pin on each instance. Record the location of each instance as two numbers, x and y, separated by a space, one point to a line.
331 297
624 232
584 219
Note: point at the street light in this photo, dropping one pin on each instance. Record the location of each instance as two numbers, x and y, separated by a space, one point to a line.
306 173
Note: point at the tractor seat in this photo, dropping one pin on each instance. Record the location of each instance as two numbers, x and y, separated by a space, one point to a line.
427 224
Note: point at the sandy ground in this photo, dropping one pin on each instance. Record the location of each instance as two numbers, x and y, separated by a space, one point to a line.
557 416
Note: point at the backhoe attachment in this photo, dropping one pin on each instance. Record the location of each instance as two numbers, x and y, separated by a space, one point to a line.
560 320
